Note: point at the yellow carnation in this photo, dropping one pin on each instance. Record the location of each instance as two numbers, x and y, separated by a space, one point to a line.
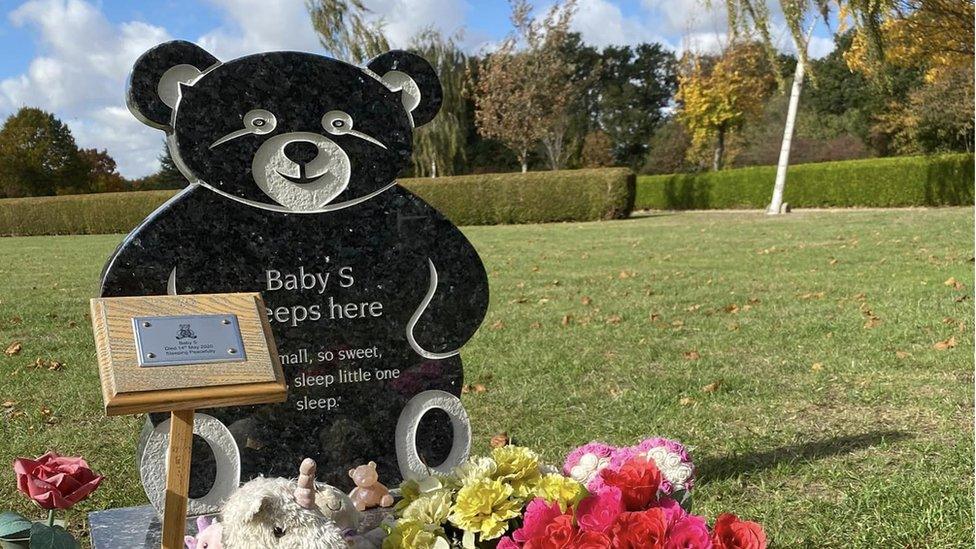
564 490
431 508
484 507
411 534
517 466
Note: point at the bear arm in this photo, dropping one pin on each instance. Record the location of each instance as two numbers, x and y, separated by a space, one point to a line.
458 295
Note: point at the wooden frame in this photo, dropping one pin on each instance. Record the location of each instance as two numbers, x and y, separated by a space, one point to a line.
128 388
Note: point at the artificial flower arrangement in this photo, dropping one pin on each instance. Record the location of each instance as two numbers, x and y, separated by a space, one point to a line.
54 482
605 497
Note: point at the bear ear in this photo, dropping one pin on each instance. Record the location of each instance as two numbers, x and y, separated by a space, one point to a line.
154 85
352 473
415 79
372 465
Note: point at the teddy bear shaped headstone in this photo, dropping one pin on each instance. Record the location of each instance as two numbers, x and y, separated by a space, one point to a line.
292 160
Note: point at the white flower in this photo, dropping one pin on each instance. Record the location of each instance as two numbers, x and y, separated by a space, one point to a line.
475 469
588 467
672 468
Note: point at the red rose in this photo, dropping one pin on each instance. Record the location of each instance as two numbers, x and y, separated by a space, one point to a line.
638 481
640 530
559 534
55 482
591 540
732 533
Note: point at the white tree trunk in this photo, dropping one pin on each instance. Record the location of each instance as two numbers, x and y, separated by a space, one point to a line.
779 187
433 169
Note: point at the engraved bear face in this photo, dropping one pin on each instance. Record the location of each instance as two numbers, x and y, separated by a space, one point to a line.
285 131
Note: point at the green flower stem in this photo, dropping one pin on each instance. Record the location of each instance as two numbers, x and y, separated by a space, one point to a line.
50 518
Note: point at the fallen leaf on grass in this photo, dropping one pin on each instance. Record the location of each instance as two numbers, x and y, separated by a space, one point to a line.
624 275
13 349
677 323
686 401
954 283
497 325
585 300
614 319
712 387
732 308
499 440
693 308
691 355
945 344
873 322
567 319
519 300
9 404
962 298
902 354
833 261
816 367
535 269
655 317
812 295
535 325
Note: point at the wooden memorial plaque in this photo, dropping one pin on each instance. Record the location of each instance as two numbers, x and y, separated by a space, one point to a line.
177 353
145 366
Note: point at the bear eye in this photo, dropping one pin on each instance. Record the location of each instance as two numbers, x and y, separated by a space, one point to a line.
337 122
260 121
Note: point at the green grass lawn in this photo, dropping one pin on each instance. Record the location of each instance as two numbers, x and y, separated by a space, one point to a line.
796 356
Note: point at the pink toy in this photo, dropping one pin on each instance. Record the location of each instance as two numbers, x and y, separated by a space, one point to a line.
208 535
369 492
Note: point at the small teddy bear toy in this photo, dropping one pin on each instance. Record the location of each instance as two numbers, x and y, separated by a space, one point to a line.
208 535
369 492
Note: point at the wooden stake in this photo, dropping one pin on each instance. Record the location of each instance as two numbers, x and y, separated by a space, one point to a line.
177 478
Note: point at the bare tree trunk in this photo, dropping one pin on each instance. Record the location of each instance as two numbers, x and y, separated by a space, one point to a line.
433 169
719 159
524 159
779 187
776 204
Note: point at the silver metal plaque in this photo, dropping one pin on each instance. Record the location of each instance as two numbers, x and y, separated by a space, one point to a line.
190 339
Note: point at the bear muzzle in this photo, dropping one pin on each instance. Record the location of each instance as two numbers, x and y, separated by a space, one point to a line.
300 179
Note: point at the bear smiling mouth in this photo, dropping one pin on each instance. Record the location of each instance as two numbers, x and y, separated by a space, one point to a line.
302 179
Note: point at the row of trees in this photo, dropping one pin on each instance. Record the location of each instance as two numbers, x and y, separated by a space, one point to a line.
900 81
39 157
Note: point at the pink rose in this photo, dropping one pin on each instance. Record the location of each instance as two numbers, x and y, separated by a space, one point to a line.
55 482
538 515
672 510
597 513
507 543
689 532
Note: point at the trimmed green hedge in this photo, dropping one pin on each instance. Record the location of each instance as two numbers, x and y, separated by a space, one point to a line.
945 180
536 197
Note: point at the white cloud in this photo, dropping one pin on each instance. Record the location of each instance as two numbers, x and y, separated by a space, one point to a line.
686 17
403 19
252 26
601 23
80 75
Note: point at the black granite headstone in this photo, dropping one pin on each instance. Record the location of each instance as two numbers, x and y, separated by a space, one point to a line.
292 159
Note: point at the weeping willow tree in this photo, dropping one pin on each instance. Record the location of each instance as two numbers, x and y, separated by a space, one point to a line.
346 31
439 144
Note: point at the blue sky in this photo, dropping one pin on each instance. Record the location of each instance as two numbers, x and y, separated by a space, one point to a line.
72 57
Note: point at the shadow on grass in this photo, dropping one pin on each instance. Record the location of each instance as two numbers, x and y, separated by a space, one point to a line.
711 469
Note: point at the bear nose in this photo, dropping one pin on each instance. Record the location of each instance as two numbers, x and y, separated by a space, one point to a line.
301 152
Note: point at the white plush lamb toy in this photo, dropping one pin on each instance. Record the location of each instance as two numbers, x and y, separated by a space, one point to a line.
277 513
